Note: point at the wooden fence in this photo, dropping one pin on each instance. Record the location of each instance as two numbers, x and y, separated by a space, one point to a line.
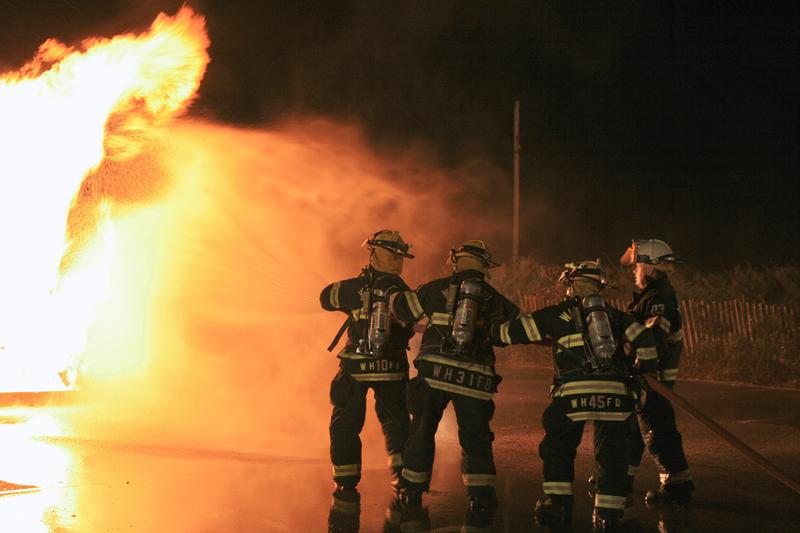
724 321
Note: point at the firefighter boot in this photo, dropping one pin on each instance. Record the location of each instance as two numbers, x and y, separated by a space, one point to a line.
478 521
604 520
344 516
554 510
592 489
481 506
408 511
409 498
403 518
674 519
394 515
482 499
415 521
673 493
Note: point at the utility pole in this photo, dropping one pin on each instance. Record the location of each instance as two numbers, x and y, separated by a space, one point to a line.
515 236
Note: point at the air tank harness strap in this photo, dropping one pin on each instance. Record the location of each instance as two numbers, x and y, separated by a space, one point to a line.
339 333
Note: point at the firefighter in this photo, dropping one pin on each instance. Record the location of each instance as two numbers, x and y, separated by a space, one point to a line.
655 305
456 364
381 311
590 383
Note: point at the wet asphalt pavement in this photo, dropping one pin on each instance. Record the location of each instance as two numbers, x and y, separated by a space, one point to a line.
54 483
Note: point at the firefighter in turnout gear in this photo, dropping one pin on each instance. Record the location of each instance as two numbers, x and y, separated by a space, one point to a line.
456 364
655 305
591 382
381 311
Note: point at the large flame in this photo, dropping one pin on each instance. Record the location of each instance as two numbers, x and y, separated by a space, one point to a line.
202 300
62 114
195 311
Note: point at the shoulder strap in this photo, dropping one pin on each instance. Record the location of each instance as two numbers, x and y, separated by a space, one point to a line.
339 334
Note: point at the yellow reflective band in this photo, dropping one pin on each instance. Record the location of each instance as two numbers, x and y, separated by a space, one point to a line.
609 502
414 477
664 324
352 355
668 374
588 390
393 376
478 480
530 328
358 315
345 507
591 387
413 304
395 459
583 416
675 336
571 340
578 391
346 470
505 337
633 331
646 354
667 478
472 367
456 389
335 294
392 297
557 487
440 319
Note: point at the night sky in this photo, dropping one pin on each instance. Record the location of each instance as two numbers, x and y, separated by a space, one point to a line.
638 119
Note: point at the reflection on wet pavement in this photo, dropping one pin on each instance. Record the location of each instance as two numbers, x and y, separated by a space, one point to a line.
86 485
33 471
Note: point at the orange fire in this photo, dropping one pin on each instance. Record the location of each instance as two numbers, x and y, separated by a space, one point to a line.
194 308
64 113
194 311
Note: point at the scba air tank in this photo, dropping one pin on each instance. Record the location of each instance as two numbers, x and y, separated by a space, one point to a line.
466 314
598 328
379 323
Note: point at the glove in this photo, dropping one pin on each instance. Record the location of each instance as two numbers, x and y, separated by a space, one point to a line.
638 385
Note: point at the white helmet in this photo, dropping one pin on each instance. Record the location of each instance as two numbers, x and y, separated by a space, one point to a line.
652 252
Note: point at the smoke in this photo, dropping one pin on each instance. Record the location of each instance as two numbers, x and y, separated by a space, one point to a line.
214 335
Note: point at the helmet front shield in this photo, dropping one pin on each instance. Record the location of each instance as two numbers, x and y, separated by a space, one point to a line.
390 241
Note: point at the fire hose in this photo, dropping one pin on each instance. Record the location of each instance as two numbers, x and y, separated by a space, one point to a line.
746 450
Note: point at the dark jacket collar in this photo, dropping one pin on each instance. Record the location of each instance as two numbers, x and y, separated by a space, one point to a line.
468 274
377 273
660 286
